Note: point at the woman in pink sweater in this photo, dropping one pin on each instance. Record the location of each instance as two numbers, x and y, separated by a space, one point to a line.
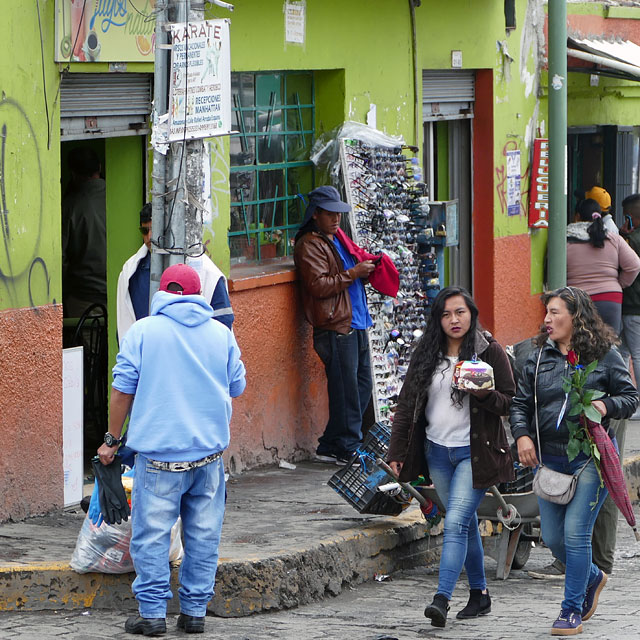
600 263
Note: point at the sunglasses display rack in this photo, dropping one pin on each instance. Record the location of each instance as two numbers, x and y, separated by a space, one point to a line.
390 214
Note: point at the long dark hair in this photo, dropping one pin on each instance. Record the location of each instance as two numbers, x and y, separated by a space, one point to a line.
590 211
591 338
432 348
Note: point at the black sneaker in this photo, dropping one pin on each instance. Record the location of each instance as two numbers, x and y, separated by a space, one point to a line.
343 459
146 626
191 624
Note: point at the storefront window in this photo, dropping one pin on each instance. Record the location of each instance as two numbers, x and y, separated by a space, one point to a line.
274 115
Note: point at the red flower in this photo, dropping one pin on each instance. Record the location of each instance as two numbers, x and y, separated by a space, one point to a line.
572 358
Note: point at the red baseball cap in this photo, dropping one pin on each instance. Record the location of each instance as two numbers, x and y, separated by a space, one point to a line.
182 275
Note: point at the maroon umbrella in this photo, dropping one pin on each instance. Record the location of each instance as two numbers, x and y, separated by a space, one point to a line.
611 472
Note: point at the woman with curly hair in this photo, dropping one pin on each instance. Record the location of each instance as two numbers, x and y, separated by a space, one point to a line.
572 323
455 439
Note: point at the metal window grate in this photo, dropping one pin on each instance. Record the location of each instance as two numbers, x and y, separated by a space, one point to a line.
274 113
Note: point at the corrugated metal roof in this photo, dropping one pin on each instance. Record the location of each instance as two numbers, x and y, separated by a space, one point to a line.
621 50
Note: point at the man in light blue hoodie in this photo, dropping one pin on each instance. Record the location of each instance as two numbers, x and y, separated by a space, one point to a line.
177 371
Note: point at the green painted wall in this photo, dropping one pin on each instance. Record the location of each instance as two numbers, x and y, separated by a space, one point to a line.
124 171
30 160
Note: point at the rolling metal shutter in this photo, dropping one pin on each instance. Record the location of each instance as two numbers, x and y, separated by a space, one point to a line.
447 94
105 105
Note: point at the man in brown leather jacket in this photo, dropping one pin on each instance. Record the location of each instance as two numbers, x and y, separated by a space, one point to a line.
335 303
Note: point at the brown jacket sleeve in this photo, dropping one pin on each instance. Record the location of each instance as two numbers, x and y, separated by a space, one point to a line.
314 261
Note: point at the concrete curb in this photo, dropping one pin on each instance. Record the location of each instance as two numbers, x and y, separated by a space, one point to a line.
262 582
242 588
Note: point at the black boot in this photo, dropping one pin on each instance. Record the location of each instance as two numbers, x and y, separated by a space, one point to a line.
191 624
146 626
437 611
479 605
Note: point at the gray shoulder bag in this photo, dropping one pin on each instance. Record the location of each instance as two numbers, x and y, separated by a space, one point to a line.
548 484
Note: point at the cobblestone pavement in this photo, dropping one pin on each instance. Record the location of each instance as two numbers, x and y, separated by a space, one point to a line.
523 608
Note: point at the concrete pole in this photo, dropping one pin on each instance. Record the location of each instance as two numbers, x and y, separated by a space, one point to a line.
158 173
557 242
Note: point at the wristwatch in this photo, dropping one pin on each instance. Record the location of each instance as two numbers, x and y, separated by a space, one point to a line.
111 441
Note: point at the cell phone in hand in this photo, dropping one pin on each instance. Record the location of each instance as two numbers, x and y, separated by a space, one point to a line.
629 222
376 260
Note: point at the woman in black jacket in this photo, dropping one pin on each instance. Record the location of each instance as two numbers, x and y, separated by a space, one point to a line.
572 327
455 439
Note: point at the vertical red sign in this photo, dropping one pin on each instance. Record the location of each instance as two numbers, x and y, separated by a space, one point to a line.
539 190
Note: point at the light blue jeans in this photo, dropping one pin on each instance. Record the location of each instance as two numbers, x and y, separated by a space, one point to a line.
158 498
566 530
450 471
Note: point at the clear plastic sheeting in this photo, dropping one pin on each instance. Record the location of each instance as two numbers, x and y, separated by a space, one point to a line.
325 153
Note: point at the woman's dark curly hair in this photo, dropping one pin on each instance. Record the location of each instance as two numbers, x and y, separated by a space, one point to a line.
432 348
591 338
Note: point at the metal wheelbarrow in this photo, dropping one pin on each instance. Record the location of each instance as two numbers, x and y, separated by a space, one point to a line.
516 512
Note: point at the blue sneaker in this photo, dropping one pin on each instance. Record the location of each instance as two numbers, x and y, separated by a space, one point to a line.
593 593
569 623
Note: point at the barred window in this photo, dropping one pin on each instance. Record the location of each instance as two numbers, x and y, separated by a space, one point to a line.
274 114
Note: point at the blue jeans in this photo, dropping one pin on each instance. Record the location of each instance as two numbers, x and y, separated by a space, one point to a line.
566 530
348 367
158 498
450 471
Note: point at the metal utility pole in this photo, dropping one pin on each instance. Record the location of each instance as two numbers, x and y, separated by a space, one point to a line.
158 173
557 243
177 176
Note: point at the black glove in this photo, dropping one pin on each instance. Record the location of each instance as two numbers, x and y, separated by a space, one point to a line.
113 500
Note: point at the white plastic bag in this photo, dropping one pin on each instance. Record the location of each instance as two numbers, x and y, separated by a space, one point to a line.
105 548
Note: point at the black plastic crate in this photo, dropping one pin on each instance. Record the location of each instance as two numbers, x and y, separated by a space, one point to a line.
358 485
376 442
522 484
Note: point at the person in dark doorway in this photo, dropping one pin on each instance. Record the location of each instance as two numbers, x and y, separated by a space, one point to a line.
84 235
600 262
133 283
335 303
177 371
455 439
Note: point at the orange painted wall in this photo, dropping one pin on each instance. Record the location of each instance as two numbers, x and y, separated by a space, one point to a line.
517 314
31 476
284 409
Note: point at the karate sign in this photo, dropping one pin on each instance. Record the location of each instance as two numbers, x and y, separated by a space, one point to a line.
200 87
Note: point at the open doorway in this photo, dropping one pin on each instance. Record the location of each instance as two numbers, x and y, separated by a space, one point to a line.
92 325
447 164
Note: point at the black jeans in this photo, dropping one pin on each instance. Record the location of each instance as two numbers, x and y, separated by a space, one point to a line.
348 368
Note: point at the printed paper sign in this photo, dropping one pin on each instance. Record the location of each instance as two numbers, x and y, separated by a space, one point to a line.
513 182
294 22
200 85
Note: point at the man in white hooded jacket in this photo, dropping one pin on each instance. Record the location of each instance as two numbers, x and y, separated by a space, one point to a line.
133 283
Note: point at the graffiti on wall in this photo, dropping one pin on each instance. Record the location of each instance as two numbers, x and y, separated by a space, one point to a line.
24 275
501 180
